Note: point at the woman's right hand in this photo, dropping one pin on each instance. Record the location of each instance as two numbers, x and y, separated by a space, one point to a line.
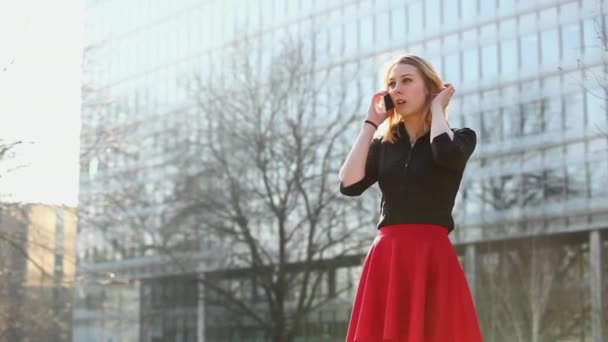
376 112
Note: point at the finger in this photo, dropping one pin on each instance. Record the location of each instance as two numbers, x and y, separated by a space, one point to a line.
381 93
377 97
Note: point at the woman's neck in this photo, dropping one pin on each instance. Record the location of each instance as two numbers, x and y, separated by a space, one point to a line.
414 125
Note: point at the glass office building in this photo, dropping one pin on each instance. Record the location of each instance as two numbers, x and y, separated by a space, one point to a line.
529 77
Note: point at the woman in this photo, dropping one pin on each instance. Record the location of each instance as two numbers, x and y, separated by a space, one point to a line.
412 287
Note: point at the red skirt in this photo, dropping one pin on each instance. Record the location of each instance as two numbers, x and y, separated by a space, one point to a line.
413 289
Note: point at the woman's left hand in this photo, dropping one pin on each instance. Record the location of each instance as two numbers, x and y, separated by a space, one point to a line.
443 97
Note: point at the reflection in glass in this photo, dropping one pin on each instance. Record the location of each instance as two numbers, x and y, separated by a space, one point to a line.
529 52
415 19
550 47
510 122
433 14
553 114
487 7
506 4
576 181
398 22
382 28
366 31
473 197
350 37
591 40
574 111
468 9
508 56
452 68
489 60
470 64
596 108
532 116
491 127
450 12
598 174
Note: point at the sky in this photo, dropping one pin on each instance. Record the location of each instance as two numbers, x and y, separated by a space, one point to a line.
40 48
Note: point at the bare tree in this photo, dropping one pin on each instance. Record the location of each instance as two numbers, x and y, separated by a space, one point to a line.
254 185
530 289
34 283
263 185
525 272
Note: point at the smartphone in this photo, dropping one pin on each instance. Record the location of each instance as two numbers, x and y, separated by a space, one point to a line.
388 103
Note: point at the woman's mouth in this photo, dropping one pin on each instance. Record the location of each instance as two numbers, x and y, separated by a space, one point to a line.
400 102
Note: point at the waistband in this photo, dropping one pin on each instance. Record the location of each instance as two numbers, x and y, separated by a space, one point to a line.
413 228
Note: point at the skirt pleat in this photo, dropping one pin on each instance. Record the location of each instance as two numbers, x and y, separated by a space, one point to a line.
412 288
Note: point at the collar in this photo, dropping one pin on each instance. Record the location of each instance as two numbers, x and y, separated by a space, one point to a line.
402 132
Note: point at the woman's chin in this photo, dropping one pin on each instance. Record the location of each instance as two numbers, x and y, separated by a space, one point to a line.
404 114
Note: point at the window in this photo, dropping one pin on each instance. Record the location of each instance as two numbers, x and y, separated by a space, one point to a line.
452 68
573 114
489 61
552 108
432 46
571 42
487 7
470 65
450 12
436 64
508 26
292 8
511 122
266 9
595 99
254 16
451 42
432 14
350 37
508 57
488 32
554 181
490 126
576 181
548 16
398 22
382 28
366 31
506 4
532 118
470 36
468 9
472 203
527 22
549 47
529 52
598 174
335 35
415 19
591 38
569 10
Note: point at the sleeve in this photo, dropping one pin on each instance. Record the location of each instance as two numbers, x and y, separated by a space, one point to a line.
454 154
371 172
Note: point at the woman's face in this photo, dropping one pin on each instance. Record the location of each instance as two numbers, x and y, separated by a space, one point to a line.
407 89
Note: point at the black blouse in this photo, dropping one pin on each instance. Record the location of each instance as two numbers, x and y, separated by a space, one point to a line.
419 183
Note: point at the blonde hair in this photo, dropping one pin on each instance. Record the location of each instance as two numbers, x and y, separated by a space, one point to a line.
432 82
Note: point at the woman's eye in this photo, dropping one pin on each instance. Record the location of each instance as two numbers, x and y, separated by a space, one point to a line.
405 80
391 84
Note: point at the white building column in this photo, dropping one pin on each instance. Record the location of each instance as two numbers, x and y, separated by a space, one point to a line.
200 315
470 268
596 261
